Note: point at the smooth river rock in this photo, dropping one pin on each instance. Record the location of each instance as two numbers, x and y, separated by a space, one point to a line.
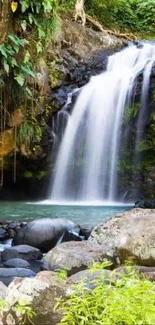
8 274
44 233
17 262
77 256
132 236
24 252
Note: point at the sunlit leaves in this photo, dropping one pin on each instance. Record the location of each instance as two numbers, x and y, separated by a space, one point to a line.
6 67
8 54
127 299
24 5
14 6
15 57
24 25
20 79
41 15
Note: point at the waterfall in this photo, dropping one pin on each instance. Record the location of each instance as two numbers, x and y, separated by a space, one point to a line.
88 156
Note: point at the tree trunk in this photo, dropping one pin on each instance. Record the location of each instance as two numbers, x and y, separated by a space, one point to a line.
5 12
79 11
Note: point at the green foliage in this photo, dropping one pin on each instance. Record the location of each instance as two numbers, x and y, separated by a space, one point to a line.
27 132
35 175
133 15
124 301
66 5
32 17
23 307
41 174
145 11
131 112
28 174
62 274
147 145
3 305
39 15
8 53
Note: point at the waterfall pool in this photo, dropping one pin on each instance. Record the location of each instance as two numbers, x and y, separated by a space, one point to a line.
83 214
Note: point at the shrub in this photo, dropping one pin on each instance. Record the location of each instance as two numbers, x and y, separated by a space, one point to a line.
126 300
134 15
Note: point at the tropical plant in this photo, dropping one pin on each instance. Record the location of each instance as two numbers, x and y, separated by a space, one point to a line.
123 301
133 15
22 307
28 131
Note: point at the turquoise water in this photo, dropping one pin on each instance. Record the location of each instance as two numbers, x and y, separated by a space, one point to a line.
84 215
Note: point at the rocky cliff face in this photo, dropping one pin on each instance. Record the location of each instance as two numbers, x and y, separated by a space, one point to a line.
149 182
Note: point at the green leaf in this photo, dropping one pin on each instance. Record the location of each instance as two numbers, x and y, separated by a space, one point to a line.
28 71
24 25
30 18
14 39
20 79
3 50
25 5
6 67
29 92
41 33
27 57
14 63
39 47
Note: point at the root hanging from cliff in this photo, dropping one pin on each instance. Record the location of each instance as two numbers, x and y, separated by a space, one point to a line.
99 27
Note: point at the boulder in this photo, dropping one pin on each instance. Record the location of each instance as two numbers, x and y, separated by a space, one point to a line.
138 268
3 233
145 204
132 236
17 262
71 236
12 225
41 293
142 271
45 266
77 256
90 278
8 274
85 232
49 277
150 276
3 290
24 252
44 233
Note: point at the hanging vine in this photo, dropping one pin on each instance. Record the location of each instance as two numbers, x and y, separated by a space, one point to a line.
26 27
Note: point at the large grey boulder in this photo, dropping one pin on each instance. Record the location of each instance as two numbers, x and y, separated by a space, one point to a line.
44 233
24 252
8 274
41 293
131 235
77 256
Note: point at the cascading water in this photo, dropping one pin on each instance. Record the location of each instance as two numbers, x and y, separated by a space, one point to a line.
86 166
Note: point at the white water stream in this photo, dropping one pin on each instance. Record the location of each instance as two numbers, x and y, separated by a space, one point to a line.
86 166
